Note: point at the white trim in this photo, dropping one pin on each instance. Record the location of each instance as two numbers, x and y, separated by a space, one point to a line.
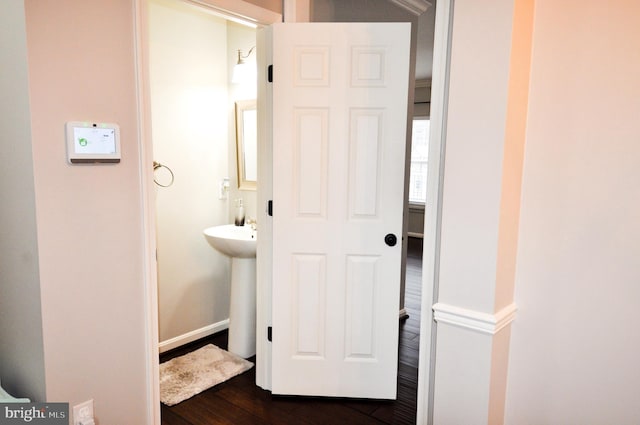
417 7
149 268
238 11
433 214
474 320
296 10
264 257
193 335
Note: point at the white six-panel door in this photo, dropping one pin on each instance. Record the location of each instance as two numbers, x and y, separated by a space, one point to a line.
339 134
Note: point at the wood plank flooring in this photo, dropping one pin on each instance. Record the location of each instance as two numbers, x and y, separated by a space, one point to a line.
239 401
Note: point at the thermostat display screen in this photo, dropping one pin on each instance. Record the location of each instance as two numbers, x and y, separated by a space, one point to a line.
94 140
89 143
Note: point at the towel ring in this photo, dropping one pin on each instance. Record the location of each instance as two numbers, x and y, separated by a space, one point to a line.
157 165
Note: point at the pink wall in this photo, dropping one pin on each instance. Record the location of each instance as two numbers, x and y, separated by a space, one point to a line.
575 341
89 217
272 5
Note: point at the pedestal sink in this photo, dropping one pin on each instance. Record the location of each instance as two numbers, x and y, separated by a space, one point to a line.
239 243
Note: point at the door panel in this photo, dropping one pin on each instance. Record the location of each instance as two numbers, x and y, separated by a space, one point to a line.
339 135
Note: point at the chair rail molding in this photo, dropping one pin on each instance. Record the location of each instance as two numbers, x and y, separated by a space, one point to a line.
417 7
474 320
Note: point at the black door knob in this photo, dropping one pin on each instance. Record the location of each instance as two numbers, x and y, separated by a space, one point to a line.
390 239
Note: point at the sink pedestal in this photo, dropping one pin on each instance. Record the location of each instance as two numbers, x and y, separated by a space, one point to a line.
239 243
242 312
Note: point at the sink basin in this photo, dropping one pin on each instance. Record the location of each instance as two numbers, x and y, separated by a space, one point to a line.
234 241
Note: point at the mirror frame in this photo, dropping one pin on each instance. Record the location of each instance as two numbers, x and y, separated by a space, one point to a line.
241 107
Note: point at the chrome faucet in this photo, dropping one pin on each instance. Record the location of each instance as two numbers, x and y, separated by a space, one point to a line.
253 223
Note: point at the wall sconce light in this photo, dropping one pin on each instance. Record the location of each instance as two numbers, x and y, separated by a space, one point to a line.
243 72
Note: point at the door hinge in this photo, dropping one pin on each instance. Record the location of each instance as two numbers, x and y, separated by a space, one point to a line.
269 333
270 208
270 73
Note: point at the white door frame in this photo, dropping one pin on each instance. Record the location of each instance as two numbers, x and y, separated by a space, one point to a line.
439 99
433 214
150 273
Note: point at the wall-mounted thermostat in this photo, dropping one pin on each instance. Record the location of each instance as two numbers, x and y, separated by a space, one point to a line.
89 142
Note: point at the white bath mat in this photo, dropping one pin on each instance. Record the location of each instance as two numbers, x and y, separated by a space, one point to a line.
188 375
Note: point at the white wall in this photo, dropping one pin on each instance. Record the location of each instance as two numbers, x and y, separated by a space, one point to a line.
188 73
244 38
89 217
575 342
21 347
489 66
475 153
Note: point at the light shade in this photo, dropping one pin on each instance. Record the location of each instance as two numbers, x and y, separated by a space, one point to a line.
244 72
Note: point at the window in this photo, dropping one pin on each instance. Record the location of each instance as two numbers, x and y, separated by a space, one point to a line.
419 161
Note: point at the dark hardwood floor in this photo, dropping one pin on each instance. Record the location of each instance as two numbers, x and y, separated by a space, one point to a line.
239 401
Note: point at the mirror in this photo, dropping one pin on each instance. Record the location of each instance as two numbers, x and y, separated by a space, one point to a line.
247 144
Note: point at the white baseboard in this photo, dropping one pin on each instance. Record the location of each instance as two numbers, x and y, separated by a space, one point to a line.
194 335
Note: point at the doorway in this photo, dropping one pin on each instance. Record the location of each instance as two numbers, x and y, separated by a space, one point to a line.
199 169
190 99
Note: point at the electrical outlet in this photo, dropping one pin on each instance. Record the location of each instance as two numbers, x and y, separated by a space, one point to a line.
83 412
